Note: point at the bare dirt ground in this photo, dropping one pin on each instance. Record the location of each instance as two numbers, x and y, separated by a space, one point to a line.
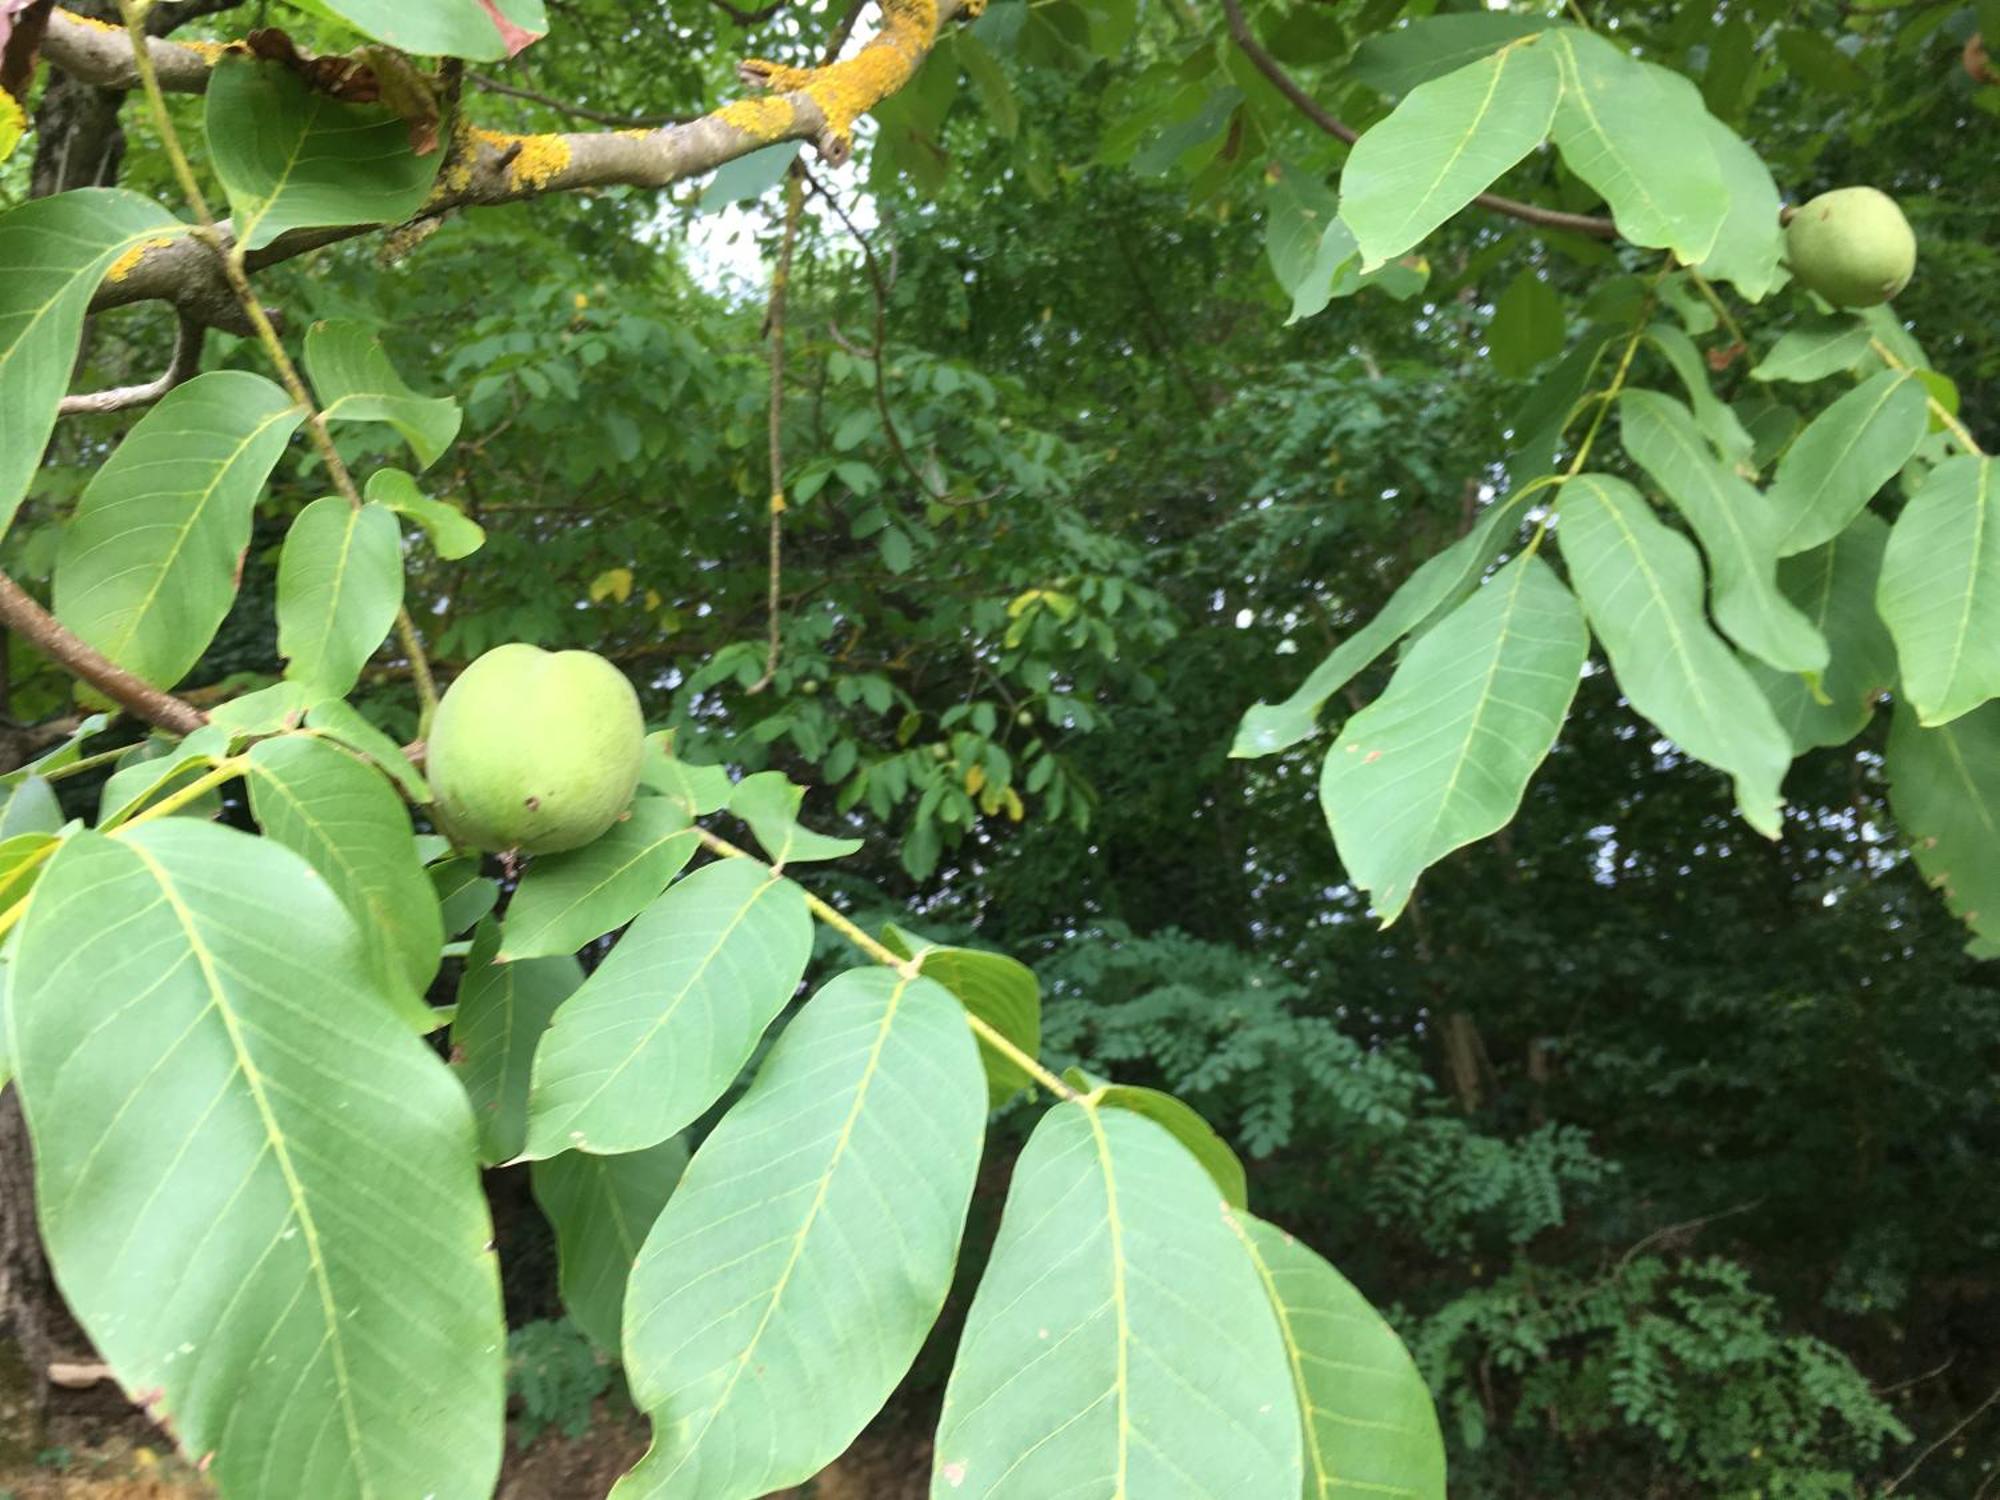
119 1456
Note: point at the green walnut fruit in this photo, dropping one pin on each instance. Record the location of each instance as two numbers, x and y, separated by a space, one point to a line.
533 750
1853 246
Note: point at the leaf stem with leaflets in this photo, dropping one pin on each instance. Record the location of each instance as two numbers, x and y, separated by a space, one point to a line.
1945 419
233 269
909 969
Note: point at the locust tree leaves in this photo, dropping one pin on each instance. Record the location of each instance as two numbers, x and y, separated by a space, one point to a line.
1444 755
795 1272
1089 1365
256 1183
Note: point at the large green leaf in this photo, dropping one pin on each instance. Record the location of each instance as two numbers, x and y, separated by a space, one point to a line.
669 1019
356 383
1717 420
1749 247
700 790
1443 757
1370 1427
999 990
53 253
1527 325
340 720
1834 585
340 585
1640 584
601 1208
256 1185
1736 524
1645 147
147 568
1394 62
1267 728
565 900
1940 590
1944 787
1847 453
503 1009
1120 1343
1445 144
788 1285
294 157
345 820
449 28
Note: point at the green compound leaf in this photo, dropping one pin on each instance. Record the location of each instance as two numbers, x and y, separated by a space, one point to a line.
340 586
1445 144
54 252
1944 787
344 819
453 533
565 900
601 1208
503 1009
147 568
1641 586
788 1285
256 1184
293 157
1940 589
1120 1343
669 1019
356 383
1846 453
769 802
1647 148
1736 524
1444 756
1370 1426
1267 728
1834 586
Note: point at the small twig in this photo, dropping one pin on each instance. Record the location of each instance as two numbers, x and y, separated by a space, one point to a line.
1686 1226
492 85
18 611
1313 110
879 286
774 322
231 254
186 360
1964 1422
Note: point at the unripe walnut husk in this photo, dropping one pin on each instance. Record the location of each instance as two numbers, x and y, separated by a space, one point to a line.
1853 246
535 751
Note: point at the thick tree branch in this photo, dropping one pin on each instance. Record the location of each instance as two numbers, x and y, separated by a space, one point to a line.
20 612
1313 110
485 168
186 360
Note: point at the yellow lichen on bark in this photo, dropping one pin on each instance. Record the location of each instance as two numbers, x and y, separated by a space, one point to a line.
122 267
765 119
542 158
845 91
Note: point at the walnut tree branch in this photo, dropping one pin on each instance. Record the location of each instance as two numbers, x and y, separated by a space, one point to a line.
485 168
1313 110
18 611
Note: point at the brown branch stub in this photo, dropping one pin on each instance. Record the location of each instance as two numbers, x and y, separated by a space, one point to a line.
1313 110
20 612
182 367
